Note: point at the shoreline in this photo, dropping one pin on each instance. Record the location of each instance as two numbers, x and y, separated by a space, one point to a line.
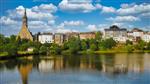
22 54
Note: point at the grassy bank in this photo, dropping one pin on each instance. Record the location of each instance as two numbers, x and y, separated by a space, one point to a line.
5 55
112 51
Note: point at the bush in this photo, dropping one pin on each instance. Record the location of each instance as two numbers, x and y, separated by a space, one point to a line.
93 47
55 49
11 49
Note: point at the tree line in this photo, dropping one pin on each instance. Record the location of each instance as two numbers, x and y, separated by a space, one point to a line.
11 46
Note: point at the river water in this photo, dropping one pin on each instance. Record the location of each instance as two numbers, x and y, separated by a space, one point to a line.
77 69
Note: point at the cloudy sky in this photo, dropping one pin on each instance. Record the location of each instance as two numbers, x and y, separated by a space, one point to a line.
73 15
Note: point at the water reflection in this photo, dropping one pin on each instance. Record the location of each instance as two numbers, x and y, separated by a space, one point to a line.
24 72
109 64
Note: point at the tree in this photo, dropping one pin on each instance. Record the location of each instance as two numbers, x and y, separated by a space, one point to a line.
107 44
129 48
93 47
74 45
11 49
24 47
129 42
98 36
84 45
43 50
148 46
141 45
55 49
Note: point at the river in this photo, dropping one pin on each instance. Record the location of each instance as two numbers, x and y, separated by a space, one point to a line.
121 68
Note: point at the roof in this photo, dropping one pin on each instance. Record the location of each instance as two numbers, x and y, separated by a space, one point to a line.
137 30
115 28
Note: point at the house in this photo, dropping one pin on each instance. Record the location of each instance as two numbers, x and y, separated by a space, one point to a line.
59 38
135 34
146 37
87 35
45 38
70 35
116 33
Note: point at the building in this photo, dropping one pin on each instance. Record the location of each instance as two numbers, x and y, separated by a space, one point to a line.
135 35
146 37
87 35
70 35
45 38
25 33
59 38
116 33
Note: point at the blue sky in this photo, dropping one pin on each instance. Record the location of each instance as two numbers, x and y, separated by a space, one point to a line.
73 15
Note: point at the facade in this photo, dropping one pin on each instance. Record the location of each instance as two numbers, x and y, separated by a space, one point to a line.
116 33
59 38
87 35
70 35
135 35
25 33
45 38
146 37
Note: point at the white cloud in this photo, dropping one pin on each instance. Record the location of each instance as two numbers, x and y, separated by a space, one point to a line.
73 23
42 12
40 18
127 9
118 24
98 6
7 21
77 6
92 27
63 30
146 14
124 19
106 9
45 8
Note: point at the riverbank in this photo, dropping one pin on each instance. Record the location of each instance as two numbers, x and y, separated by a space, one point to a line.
111 51
5 55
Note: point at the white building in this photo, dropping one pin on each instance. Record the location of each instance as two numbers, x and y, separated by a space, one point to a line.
45 38
146 37
120 39
135 34
116 33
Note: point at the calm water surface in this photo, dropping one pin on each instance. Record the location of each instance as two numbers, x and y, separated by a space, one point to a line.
87 69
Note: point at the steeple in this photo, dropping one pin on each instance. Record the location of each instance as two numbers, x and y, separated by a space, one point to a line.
25 33
24 18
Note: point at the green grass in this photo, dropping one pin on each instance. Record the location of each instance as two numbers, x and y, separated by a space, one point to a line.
3 54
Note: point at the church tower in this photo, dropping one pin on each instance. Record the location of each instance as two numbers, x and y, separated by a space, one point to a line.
25 33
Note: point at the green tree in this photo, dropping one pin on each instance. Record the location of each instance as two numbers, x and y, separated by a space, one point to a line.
93 47
98 36
107 44
74 45
141 45
84 45
129 42
11 49
129 48
55 49
43 49
148 46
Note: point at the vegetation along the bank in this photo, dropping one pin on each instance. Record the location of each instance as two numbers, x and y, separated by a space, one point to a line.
9 46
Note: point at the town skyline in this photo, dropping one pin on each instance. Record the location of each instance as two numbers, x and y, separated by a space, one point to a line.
71 16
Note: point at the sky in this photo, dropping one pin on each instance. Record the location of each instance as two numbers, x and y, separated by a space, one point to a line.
73 15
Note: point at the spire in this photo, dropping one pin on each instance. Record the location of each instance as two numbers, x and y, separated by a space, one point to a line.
24 18
25 33
25 12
